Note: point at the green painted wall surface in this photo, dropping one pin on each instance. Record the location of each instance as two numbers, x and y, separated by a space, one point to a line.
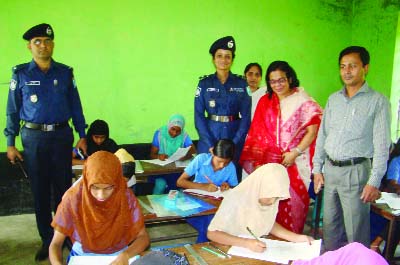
136 62
395 94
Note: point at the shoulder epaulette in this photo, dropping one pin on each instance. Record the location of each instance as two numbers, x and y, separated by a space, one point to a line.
203 77
19 67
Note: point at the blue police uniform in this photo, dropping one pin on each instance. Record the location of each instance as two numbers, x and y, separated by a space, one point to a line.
228 108
45 102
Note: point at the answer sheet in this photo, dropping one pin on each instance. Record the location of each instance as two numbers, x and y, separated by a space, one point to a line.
280 251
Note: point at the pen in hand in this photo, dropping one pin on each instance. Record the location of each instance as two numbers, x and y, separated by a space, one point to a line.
208 179
212 183
251 233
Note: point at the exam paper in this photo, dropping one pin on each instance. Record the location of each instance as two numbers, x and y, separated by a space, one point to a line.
98 260
215 194
183 163
391 199
280 251
181 152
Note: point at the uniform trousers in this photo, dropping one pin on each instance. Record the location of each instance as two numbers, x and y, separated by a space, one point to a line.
47 159
346 217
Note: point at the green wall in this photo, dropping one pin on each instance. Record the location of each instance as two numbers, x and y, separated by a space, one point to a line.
395 95
138 62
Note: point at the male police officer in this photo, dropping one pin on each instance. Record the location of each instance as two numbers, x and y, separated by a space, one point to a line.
43 95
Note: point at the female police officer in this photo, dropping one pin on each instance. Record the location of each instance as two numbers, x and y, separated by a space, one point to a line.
224 98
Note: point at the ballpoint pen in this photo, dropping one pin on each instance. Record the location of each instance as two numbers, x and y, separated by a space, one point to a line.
208 179
251 233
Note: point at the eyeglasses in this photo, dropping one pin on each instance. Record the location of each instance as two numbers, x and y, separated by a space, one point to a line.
46 42
280 81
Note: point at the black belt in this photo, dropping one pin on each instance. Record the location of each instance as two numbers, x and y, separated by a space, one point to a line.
46 127
348 162
223 118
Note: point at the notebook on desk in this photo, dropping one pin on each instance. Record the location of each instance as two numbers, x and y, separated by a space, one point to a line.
215 194
138 167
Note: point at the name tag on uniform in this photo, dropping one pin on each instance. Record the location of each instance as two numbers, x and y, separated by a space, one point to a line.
32 83
212 89
237 89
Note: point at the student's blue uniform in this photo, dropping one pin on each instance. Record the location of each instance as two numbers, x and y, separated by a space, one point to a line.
200 166
45 99
229 99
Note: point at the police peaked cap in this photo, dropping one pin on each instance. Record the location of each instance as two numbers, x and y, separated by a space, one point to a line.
41 30
225 43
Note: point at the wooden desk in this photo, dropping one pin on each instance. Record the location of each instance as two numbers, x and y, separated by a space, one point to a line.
153 219
383 210
212 259
150 169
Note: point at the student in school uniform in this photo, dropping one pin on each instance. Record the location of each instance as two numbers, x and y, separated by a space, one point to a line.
166 141
98 138
253 205
100 214
211 171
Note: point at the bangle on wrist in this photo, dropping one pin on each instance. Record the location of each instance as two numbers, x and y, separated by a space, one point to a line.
298 150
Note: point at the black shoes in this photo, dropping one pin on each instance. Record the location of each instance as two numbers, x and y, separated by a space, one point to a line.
42 253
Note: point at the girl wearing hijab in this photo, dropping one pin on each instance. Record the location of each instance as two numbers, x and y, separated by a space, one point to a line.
98 138
100 214
253 204
170 138
166 141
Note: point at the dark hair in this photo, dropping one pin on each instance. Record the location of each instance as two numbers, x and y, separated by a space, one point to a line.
224 148
233 53
250 65
98 127
284 67
362 52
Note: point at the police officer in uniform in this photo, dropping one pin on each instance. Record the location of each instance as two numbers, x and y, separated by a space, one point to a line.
222 104
43 98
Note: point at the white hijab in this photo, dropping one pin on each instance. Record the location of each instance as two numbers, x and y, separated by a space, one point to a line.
240 207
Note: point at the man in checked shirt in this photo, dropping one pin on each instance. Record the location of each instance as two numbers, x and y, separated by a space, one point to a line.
353 147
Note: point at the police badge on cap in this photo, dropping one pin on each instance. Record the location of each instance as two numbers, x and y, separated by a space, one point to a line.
41 30
225 43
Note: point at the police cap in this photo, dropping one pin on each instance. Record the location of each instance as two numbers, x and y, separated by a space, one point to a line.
41 30
225 43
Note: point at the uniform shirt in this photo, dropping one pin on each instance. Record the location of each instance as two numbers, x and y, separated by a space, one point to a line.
355 127
43 98
201 166
230 98
394 170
